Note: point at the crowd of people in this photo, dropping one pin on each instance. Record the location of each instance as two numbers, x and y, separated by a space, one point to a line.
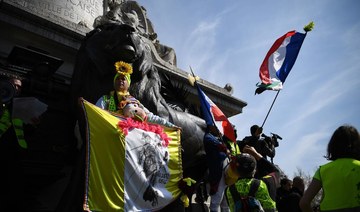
234 167
339 179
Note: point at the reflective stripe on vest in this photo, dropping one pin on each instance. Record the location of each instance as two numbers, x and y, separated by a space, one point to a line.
112 105
5 122
19 131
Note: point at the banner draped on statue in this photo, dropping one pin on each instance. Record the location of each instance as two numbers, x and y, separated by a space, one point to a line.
130 165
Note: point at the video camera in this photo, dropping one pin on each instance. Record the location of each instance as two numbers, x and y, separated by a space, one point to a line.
273 139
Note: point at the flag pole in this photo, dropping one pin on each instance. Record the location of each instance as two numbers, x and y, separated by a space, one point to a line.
195 83
272 104
206 104
307 29
193 74
207 110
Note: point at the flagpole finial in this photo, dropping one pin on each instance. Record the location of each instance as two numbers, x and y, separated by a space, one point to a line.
192 78
309 27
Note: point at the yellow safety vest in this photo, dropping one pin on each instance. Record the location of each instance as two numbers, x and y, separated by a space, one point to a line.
6 122
19 131
234 148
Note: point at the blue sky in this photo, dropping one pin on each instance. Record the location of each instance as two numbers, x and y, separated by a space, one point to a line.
226 42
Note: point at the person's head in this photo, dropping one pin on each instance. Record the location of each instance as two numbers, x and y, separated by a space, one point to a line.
16 82
122 77
344 143
245 165
286 184
298 182
255 130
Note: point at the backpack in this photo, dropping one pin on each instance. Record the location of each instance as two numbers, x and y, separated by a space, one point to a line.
246 203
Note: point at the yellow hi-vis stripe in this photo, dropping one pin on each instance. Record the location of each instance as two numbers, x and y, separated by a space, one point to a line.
18 126
4 122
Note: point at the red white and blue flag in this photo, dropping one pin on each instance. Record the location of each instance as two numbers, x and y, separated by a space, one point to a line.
279 61
214 116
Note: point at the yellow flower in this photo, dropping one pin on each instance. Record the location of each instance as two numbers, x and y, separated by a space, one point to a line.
123 68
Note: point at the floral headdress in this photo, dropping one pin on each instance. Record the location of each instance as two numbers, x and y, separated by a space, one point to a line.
124 69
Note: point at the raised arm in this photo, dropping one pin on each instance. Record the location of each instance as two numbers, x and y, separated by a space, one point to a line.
310 193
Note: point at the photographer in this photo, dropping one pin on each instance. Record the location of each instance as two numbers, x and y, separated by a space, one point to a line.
265 145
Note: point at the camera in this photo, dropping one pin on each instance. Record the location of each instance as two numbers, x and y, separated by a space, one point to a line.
272 140
276 136
267 138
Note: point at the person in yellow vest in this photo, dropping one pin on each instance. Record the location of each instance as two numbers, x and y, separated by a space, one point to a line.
340 178
6 121
245 167
11 178
233 147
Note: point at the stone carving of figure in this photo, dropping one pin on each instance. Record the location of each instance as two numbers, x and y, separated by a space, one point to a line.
130 13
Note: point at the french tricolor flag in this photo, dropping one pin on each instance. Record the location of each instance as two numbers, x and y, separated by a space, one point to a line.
279 61
213 115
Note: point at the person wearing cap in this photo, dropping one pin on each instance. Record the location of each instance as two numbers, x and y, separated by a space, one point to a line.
245 167
120 97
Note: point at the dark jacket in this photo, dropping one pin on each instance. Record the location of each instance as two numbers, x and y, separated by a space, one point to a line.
262 146
267 172
291 201
215 156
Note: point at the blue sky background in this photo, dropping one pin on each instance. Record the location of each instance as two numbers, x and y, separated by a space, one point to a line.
226 42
